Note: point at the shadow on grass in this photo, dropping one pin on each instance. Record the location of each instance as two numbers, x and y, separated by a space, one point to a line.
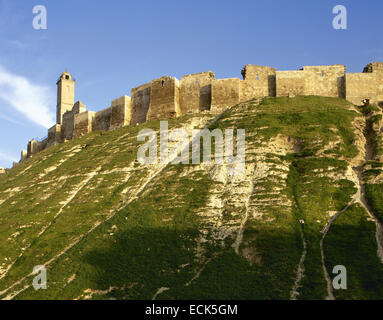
351 242
140 261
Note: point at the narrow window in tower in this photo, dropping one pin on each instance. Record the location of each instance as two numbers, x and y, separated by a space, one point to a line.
257 77
163 83
67 77
322 74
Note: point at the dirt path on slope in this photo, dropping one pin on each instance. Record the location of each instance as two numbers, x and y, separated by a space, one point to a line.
363 202
330 294
370 154
300 271
239 238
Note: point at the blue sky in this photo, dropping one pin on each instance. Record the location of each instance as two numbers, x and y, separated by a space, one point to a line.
112 46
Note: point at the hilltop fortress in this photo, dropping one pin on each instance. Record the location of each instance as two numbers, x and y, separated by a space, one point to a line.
168 97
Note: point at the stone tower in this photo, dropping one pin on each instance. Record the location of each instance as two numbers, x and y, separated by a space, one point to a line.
65 95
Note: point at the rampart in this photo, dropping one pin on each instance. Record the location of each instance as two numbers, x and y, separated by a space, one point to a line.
224 93
328 81
290 83
140 103
366 85
167 97
164 99
101 120
195 92
83 123
121 112
361 86
258 82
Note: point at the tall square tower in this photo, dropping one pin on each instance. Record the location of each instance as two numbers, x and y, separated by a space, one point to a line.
65 95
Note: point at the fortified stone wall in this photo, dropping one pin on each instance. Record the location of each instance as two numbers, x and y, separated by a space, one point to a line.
328 81
36 146
377 68
374 67
24 155
79 107
140 103
195 92
258 82
32 147
164 99
290 83
224 93
67 125
204 98
121 112
379 87
54 135
101 120
360 86
325 81
83 123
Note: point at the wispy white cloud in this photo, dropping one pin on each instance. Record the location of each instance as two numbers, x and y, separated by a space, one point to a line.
9 119
31 100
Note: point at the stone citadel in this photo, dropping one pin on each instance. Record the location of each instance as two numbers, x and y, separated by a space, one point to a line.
168 97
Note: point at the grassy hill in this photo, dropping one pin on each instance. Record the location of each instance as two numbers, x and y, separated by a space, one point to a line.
107 227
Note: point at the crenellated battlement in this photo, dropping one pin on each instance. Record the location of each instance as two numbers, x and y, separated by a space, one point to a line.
168 97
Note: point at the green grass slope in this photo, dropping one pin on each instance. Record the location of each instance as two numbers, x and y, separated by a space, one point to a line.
107 227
